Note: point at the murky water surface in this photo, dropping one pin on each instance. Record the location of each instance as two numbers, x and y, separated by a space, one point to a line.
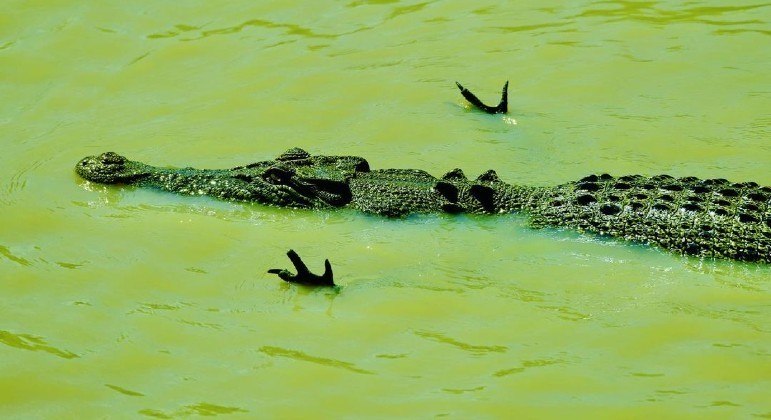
124 302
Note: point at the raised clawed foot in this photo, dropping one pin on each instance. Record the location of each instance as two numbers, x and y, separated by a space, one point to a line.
304 276
502 108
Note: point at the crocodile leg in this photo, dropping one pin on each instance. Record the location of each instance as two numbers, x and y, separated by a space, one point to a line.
501 108
304 276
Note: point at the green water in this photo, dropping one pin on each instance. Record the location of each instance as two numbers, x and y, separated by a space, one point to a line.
117 302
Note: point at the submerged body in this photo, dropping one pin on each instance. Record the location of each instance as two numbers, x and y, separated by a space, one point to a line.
705 218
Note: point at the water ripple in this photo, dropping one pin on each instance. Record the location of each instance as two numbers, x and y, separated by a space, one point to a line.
125 391
200 409
371 2
471 348
153 308
527 364
397 11
7 254
198 32
18 181
201 324
740 31
33 343
289 28
298 355
528 28
405 10
750 318
463 391
649 12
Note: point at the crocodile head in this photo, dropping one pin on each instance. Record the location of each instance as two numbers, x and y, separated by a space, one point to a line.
111 168
293 179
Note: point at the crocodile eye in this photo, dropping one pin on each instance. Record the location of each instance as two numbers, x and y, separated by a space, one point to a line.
276 175
111 158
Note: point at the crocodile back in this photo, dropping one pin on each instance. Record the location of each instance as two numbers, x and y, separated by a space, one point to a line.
395 192
709 218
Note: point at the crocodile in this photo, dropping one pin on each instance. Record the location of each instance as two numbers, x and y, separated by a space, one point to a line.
710 218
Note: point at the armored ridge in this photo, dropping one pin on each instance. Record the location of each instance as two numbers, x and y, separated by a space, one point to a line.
706 218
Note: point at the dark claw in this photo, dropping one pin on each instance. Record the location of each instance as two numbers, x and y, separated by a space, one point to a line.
304 276
502 108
